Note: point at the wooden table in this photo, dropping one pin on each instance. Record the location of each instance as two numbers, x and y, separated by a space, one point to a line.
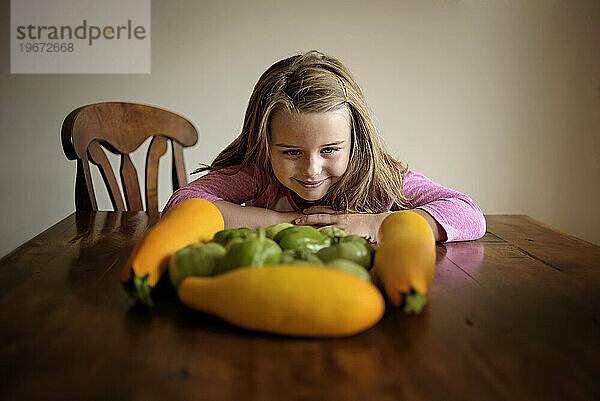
513 316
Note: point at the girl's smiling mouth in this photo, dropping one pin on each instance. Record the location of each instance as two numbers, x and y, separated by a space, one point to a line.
311 184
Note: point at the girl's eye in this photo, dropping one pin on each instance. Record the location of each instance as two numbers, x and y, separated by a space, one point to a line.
294 152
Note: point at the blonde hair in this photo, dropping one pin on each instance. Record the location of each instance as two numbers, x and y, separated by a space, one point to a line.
308 83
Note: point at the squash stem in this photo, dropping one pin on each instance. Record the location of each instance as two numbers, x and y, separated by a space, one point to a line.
413 302
139 289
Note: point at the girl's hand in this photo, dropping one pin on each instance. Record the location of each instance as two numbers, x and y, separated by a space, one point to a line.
364 224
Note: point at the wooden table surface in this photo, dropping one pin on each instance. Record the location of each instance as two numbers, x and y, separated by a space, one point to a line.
512 316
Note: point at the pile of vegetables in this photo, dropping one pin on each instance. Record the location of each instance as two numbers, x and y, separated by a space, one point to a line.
285 279
285 243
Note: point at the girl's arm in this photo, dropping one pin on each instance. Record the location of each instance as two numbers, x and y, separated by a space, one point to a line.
237 216
363 224
438 231
456 213
452 216
229 192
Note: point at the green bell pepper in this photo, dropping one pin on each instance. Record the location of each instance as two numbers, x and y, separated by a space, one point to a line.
272 231
195 260
350 267
256 252
300 256
224 236
302 237
351 247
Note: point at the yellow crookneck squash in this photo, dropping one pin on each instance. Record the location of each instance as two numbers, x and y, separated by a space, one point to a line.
288 299
405 259
191 220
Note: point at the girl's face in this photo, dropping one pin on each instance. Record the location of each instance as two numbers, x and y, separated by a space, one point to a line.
310 151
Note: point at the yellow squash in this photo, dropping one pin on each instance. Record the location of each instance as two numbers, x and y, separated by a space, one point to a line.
192 220
298 300
405 259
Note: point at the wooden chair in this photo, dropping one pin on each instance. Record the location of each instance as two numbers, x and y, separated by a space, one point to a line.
121 128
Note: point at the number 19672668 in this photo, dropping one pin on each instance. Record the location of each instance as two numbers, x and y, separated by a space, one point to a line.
46 47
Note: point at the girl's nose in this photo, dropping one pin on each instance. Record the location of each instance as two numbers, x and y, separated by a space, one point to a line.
312 167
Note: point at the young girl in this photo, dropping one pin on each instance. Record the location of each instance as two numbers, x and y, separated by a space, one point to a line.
310 154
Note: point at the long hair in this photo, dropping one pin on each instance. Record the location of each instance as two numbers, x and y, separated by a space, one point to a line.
308 83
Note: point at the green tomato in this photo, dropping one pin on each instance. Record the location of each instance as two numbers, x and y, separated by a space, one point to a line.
300 256
195 260
272 231
355 238
224 236
302 237
233 241
359 252
363 242
350 267
333 232
256 252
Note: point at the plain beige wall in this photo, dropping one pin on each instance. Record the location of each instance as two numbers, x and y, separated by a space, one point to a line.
498 99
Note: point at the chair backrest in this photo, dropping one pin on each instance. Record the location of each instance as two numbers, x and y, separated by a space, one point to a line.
121 128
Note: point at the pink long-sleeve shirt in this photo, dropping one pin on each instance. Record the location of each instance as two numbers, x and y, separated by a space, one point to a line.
456 212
